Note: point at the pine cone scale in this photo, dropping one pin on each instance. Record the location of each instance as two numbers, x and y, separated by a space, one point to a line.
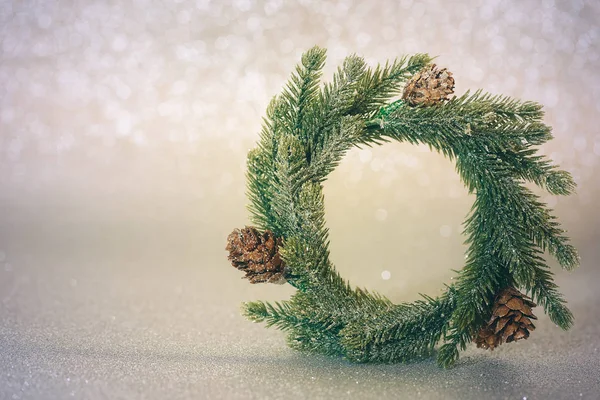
501 311
504 298
515 304
509 331
527 311
501 324
521 334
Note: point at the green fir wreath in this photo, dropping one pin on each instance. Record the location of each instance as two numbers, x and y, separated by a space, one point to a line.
491 139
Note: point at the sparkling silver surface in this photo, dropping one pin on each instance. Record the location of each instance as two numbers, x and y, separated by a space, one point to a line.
89 317
124 127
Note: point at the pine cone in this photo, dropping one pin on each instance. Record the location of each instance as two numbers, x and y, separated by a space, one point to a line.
510 321
429 86
256 254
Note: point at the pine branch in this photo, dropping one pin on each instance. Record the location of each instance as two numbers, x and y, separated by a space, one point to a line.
316 341
280 315
444 132
337 98
334 146
384 336
378 86
491 119
545 292
538 170
301 90
262 169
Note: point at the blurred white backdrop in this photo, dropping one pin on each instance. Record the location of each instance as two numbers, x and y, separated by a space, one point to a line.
144 111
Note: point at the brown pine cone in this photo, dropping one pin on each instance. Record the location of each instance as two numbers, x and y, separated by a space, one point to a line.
510 321
429 86
256 254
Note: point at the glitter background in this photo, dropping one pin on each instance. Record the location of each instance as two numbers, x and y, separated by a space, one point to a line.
124 127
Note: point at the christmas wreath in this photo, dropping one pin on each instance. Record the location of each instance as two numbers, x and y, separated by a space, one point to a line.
491 139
